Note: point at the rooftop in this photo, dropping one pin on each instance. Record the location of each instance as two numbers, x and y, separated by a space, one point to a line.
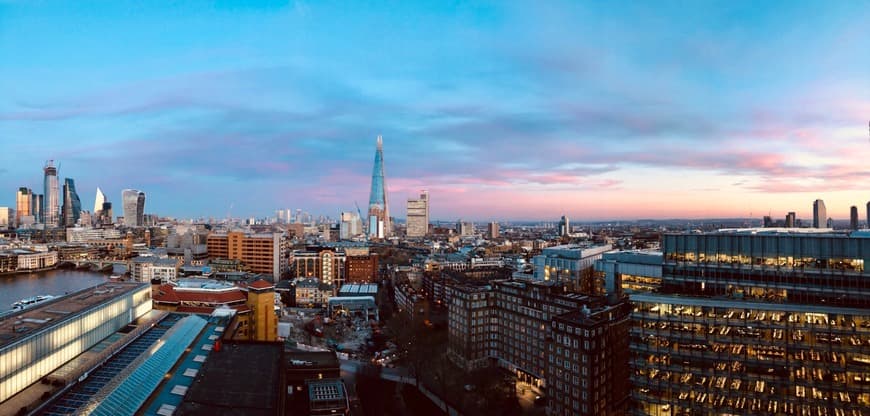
307 359
49 313
242 378
359 289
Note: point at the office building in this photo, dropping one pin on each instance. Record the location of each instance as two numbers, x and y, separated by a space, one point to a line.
361 266
853 218
790 220
260 253
418 216
572 264
22 204
133 204
106 215
492 230
820 214
379 226
7 218
36 202
564 226
755 321
51 200
36 341
72 205
99 200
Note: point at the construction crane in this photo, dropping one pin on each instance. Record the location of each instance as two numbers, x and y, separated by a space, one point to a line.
359 212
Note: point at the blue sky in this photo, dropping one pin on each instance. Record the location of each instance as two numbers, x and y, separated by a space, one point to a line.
503 110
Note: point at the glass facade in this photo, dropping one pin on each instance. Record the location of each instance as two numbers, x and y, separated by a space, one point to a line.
754 322
25 361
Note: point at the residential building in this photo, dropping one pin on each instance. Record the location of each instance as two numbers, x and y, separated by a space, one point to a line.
418 216
573 264
312 293
412 303
755 321
35 260
464 228
492 230
323 263
260 253
154 269
361 266
790 220
379 226
472 327
853 218
820 214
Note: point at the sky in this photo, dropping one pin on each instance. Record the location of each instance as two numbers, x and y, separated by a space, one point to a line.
502 110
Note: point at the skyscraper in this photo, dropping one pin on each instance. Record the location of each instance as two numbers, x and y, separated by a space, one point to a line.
853 218
350 226
379 210
98 201
564 226
72 205
790 220
22 203
820 214
868 215
36 208
418 215
492 230
133 204
51 207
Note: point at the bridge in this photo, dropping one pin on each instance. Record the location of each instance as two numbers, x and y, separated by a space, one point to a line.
94 263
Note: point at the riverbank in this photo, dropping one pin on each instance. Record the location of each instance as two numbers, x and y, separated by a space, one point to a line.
14 272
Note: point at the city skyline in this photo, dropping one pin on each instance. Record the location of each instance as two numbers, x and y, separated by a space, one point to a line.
500 112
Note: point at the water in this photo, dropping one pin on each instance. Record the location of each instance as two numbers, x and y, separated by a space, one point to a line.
15 287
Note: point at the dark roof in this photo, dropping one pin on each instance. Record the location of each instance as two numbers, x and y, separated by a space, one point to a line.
319 359
243 378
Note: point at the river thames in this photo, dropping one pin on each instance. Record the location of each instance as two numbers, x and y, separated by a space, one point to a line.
52 282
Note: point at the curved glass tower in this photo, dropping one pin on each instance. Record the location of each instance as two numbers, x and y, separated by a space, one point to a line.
72 205
379 211
133 204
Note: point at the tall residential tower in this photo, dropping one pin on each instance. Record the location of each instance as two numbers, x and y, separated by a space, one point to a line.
820 214
379 212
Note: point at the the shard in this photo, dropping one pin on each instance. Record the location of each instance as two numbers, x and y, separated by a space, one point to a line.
379 211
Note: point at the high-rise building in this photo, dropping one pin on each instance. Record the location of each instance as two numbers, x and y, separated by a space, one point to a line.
260 253
379 226
853 218
7 218
564 226
99 200
22 204
868 215
492 230
72 205
418 215
51 207
106 213
464 228
36 202
790 220
133 204
350 226
820 214
754 322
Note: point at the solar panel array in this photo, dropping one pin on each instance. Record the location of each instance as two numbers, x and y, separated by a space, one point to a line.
78 396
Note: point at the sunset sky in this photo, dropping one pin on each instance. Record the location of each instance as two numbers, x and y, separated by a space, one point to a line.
502 110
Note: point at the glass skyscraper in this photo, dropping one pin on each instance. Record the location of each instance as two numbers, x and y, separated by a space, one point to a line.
72 205
379 212
51 207
133 204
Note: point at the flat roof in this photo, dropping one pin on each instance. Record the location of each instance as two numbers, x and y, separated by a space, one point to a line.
307 359
241 378
44 315
359 288
326 390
